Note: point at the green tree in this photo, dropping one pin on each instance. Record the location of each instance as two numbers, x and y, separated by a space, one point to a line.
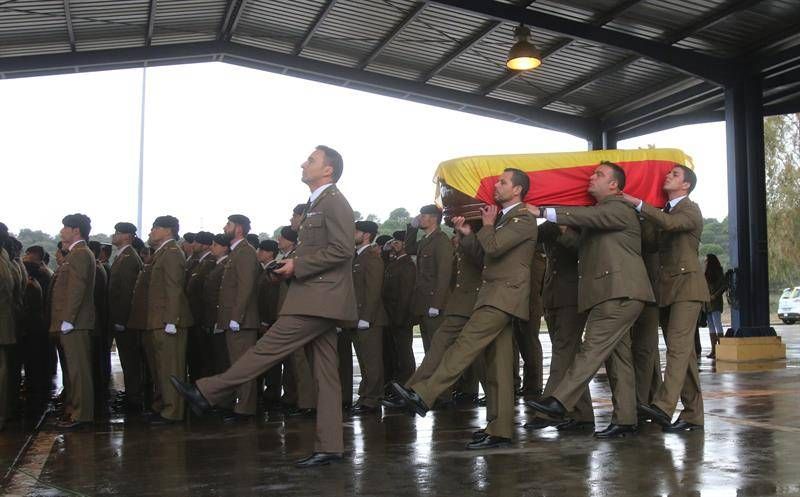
397 221
782 162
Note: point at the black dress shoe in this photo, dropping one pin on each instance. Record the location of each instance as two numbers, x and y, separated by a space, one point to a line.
616 431
71 425
656 414
539 424
196 401
549 405
464 397
318 459
235 417
411 399
479 434
296 412
575 426
489 442
393 403
680 426
361 409
159 420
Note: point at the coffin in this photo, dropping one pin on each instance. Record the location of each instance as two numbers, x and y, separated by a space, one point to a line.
467 183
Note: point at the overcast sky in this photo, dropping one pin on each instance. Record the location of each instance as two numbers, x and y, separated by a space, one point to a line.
222 139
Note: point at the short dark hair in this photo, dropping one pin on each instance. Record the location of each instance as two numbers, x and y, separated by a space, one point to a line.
519 178
36 249
106 249
269 246
617 173
137 243
95 247
689 176
79 221
334 159
288 233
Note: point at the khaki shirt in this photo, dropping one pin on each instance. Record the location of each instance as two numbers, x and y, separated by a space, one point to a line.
398 290
469 264
368 285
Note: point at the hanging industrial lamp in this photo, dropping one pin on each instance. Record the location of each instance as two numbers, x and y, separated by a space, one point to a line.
524 55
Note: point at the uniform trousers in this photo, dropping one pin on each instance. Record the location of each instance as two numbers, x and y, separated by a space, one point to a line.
238 343
170 356
681 377
77 346
488 331
646 359
290 333
565 327
607 339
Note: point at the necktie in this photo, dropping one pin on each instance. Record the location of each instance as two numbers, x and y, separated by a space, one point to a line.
667 208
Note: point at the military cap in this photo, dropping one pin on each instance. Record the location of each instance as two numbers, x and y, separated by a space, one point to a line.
367 227
268 246
252 239
431 209
240 219
189 237
381 240
399 236
128 228
288 233
204 237
222 239
137 243
172 223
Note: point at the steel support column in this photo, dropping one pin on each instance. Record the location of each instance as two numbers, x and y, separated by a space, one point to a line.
747 206
603 140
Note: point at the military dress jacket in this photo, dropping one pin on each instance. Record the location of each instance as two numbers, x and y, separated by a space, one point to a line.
8 333
122 281
237 293
560 288
464 294
322 284
166 299
73 290
195 286
680 276
508 249
434 269
398 290
368 285
610 264
137 319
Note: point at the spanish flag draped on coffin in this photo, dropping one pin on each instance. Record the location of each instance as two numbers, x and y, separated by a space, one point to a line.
556 179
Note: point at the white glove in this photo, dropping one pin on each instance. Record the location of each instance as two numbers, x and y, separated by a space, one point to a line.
338 330
362 325
415 222
217 330
233 325
66 327
433 312
119 327
170 329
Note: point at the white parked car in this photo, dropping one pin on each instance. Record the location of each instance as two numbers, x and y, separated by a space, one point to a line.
789 305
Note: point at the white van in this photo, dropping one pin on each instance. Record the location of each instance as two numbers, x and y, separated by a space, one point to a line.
789 305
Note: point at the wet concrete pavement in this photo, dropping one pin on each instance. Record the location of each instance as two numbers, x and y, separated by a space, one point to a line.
750 447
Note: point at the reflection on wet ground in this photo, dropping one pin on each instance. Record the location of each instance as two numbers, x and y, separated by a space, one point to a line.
750 447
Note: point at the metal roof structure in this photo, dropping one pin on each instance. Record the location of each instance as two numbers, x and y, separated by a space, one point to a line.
619 67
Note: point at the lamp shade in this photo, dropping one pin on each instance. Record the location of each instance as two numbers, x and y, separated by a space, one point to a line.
523 54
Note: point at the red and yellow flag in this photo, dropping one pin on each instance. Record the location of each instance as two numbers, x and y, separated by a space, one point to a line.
562 178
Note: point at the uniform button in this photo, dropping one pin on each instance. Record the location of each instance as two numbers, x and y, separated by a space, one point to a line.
457 285
683 269
579 276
